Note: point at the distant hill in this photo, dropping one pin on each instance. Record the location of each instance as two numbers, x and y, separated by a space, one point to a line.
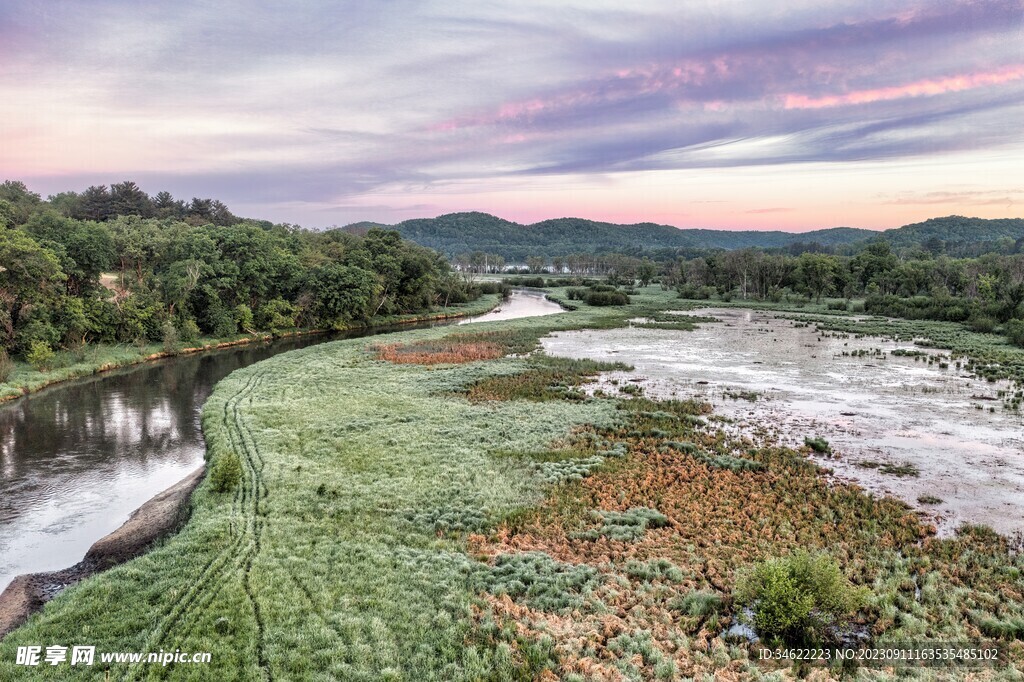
957 230
457 233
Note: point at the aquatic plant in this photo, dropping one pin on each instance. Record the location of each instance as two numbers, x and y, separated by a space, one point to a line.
818 445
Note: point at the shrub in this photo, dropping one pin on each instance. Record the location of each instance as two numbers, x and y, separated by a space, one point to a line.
800 599
576 293
819 445
981 323
225 473
244 318
603 298
189 330
40 356
171 338
1015 332
6 366
694 292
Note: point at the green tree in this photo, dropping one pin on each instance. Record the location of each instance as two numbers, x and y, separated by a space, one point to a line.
817 273
342 293
29 275
94 204
276 315
127 199
645 273
20 200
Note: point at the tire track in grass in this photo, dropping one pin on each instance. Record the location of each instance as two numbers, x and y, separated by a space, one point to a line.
217 572
259 492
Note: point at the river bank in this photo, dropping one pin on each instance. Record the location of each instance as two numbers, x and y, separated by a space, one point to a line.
98 359
160 515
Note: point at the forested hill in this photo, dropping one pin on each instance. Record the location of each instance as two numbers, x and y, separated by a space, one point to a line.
457 233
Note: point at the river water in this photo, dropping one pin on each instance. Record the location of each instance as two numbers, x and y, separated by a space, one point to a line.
522 303
76 459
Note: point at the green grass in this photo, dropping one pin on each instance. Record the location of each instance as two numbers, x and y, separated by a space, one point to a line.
340 552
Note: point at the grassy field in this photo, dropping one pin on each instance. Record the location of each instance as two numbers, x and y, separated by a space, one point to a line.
427 510
92 359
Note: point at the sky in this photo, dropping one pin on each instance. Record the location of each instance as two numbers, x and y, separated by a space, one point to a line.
790 115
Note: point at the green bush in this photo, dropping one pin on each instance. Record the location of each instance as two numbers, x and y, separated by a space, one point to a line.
189 330
981 323
244 318
800 599
1014 330
602 298
225 473
6 366
40 356
819 445
171 339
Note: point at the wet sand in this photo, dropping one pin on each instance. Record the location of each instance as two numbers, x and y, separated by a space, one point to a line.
874 410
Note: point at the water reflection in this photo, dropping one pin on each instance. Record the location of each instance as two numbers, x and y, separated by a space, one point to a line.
521 303
77 459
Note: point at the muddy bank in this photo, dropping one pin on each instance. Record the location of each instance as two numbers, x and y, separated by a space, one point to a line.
898 425
162 515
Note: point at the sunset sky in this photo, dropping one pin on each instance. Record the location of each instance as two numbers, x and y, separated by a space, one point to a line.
744 115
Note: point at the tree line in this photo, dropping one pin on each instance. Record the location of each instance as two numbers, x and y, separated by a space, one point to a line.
986 292
115 266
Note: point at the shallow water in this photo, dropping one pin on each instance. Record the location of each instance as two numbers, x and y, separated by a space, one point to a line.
78 458
873 411
522 303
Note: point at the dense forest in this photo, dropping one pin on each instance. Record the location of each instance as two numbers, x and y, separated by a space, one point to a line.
459 233
115 265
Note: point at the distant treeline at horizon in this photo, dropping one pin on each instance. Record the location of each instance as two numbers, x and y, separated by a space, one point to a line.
455 234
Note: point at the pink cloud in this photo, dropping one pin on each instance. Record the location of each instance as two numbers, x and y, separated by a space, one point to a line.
921 88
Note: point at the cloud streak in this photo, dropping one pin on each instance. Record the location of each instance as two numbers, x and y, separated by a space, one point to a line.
325 104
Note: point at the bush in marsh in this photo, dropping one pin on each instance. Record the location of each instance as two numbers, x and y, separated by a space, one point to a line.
799 600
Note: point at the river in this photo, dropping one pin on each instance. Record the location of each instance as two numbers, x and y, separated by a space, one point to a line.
76 459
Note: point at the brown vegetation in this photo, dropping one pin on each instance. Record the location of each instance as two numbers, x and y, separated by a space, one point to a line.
444 351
